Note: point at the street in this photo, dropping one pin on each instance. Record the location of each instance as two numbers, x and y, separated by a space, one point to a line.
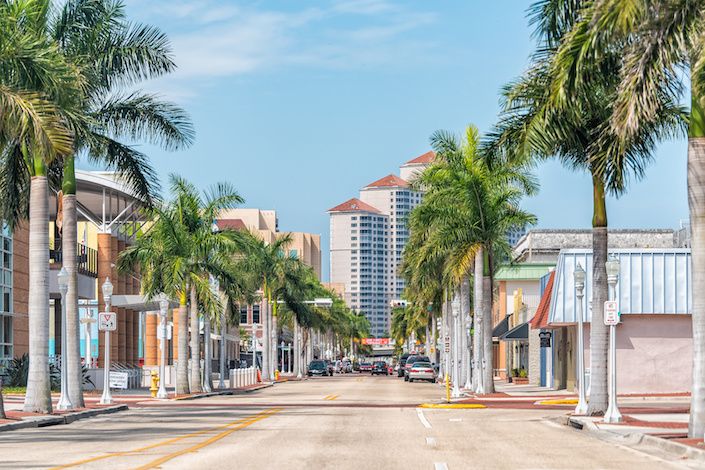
353 421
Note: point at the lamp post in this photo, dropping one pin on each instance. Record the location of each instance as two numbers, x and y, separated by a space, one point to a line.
297 355
455 307
254 347
88 320
613 415
64 400
163 307
439 333
107 398
281 366
221 383
579 281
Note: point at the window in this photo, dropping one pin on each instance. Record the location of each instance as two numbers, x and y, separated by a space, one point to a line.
293 253
255 314
243 314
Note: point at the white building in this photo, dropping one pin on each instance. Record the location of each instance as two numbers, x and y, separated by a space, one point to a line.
367 237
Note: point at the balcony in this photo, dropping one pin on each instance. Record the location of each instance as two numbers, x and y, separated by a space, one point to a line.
86 259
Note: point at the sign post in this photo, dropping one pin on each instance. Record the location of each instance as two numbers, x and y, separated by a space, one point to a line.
107 321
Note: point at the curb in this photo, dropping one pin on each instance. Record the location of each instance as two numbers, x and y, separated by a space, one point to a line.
223 393
41 422
635 440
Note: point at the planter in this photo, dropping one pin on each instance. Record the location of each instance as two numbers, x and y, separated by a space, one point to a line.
521 380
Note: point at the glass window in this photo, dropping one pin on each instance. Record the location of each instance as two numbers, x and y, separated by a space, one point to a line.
293 253
243 314
255 314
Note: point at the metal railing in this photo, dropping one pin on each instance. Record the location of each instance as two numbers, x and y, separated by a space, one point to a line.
86 258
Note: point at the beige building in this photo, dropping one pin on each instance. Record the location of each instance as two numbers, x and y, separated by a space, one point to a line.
367 238
304 246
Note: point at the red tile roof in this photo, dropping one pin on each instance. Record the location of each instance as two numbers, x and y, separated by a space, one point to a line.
389 181
540 319
232 224
427 157
354 205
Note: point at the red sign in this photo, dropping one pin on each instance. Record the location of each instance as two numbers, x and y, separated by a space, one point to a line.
376 341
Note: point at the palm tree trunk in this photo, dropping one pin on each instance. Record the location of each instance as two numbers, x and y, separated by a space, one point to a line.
265 337
195 381
477 381
38 396
696 203
273 353
69 240
598 330
182 387
207 354
2 406
467 321
488 371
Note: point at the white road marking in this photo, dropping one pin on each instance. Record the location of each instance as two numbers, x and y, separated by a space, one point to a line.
455 420
422 418
431 441
440 466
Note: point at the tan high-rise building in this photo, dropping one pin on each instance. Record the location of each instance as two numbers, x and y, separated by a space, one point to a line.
367 237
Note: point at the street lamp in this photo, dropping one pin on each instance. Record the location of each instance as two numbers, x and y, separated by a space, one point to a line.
281 366
64 400
455 307
613 415
439 354
579 281
163 308
297 353
107 398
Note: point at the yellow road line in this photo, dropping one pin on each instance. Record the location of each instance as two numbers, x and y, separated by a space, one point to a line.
459 406
564 401
158 444
332 396
207 442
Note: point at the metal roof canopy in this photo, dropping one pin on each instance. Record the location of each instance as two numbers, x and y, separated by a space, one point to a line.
651 281
523 271
518 333
138 302
105 201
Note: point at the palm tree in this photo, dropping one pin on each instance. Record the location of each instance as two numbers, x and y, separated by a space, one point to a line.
179 255
535 124
265 263
114 56
37 93
472 201
657 40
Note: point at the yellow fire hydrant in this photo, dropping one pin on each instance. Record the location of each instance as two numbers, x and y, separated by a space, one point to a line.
276 375
155 384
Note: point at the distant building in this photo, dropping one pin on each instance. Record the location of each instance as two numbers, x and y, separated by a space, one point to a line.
514 235
367 237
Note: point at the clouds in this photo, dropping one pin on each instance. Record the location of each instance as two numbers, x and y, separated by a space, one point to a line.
214 39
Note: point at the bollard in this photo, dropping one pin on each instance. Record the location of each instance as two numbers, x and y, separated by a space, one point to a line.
231 376
155 384
239 378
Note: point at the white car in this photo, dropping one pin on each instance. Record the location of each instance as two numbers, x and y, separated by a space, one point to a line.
422 371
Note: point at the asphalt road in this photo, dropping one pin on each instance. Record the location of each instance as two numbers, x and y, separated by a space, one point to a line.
354 421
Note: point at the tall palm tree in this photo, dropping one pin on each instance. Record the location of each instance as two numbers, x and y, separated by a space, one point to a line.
264 261
476 202
659 40
537 122
29 148
179 254
114 56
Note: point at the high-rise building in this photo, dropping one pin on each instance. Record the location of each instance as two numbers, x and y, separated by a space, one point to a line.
367 238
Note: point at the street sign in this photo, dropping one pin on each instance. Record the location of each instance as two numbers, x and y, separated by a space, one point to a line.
611 313
107 321
376 341
160 332
118 380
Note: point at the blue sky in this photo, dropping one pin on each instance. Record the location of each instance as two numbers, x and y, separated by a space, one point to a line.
301 103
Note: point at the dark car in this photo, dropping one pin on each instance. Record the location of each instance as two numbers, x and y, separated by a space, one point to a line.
318 368
380 367
402 363
365 367
411 360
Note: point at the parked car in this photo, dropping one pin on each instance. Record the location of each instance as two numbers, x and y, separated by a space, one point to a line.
380 367
402 362
318 368
365 367
421 371
410 361
331 367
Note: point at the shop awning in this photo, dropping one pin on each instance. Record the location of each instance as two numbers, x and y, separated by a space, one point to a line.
501 327
518 333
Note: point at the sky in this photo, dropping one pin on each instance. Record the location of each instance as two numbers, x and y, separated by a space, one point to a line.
299 104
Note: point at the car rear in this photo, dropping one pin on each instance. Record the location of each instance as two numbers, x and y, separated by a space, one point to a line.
380 367
401 364
365 367
317 368
410 361
422 371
